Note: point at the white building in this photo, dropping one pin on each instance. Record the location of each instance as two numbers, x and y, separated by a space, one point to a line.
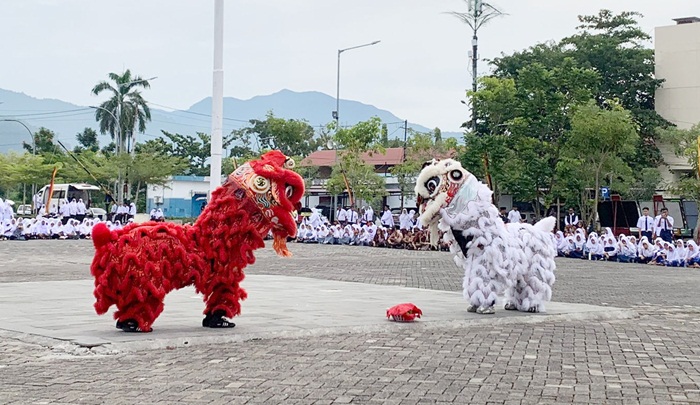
677 50
180 197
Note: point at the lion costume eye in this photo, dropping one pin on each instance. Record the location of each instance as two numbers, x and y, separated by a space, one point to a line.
260 184
432 184
456 175
289 164
289 191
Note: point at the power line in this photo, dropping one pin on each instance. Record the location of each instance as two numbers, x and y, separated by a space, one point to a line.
50 113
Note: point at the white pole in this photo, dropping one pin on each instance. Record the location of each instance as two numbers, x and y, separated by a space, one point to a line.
217 100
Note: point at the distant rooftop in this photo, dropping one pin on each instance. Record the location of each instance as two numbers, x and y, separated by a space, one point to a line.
686 20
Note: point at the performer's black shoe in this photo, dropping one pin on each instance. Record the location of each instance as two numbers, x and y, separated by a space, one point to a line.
129 325
217 320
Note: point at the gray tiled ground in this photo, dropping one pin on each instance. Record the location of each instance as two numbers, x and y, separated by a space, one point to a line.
651 359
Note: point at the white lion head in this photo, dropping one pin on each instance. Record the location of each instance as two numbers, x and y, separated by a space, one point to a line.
445 184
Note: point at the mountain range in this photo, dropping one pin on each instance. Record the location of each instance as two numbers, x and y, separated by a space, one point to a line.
67 119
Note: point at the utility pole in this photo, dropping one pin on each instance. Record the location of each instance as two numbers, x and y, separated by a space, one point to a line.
217 99
403 160
479 13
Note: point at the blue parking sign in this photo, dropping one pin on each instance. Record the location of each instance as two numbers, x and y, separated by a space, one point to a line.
605 193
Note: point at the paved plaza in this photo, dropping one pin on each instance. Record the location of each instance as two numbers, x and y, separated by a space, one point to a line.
313 331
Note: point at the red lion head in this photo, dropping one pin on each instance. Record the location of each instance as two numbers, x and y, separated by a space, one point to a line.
276 190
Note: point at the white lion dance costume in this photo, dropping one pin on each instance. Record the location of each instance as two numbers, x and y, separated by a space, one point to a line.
517 259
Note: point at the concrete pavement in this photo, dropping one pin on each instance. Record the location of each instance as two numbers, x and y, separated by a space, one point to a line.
317 351
277 306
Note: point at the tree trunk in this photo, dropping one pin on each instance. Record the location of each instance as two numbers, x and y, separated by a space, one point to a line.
595 200
136 194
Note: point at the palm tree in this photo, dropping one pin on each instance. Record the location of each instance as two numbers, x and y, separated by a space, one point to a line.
127 104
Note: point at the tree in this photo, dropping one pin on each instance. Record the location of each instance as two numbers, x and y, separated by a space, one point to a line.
600 142
26 168
292 137
126 104
614 44
87 140
686 143
242 151
196 151
351 173
420 147
44 140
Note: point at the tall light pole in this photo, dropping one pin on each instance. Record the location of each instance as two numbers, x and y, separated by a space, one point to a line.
118 135
31 134
336 113
479 13
217 99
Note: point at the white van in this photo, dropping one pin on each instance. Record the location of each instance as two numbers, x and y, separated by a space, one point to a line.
66 192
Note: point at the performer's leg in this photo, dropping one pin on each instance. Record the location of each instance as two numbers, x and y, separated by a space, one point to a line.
479 289
138 316
224 301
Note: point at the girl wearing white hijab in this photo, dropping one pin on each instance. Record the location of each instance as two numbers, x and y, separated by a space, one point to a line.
692 255
412 217
595 248
661 252
569 246
628 251
579 243
645 252
681 252
404 222
610 248
673 259
561 243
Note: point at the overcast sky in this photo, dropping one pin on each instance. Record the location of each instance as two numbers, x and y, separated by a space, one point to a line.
419 71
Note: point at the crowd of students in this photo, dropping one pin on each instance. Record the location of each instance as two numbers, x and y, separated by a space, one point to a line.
353 229
51 228
628 249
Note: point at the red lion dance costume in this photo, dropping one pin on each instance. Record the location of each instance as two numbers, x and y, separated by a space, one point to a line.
135 267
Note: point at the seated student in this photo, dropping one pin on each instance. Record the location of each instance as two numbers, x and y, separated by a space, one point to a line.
366 237
594 247
561 243
321 234
56 230
379 238
348 234
610 248
18 233
354 235
301 231
692 256
673 258
681 252
8 229
660 253
328 239
337 233
627 252
69 231
310 236
395 240
645 252
576 251
409 240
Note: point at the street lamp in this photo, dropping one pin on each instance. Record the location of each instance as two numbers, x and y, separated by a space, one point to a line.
479 14
31 134
336 113
28 130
